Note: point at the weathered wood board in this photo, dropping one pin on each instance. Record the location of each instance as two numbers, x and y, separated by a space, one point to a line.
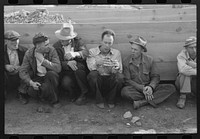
91 33
165 29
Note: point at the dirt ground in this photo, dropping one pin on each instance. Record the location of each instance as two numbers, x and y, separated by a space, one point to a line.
88 119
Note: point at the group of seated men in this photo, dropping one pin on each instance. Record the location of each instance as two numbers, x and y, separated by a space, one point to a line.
68 66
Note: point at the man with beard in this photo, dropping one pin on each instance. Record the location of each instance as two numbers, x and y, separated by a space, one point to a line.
141 77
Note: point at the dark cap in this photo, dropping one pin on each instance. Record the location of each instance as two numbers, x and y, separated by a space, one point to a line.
11 35
39 37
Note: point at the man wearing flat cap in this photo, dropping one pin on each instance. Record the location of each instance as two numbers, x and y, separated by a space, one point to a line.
141 77
105 65
187 67
40 69
13 57
72 53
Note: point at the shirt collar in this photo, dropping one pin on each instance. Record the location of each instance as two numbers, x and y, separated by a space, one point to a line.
98 50
142 56
9 51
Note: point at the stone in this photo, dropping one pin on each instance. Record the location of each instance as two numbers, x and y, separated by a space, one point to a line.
135 119
138 123
128 124
127 114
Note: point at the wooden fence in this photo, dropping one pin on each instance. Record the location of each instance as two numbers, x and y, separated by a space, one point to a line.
164 28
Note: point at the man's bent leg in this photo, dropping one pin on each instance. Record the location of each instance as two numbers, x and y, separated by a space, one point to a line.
95 82
161 93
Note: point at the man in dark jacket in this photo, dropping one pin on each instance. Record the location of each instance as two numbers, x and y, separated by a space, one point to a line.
40 69
72 53
13 57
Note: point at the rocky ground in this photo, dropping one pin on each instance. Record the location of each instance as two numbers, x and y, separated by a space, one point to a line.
88 119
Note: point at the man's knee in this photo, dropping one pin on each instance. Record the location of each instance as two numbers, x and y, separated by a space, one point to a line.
66 82
125 91
169 88
93 76
52 74
119 78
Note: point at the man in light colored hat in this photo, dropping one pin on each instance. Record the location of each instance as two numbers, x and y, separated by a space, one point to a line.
72 53
13 57
142 78
187 67
39 71
105 65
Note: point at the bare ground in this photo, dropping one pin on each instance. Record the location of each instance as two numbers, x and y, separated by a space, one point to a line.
88 119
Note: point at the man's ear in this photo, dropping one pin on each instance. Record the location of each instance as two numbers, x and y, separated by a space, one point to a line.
5 41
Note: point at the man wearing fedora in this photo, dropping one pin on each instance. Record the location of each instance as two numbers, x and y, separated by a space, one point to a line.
72 53
39 71
141 77
105 65
187 67
13 57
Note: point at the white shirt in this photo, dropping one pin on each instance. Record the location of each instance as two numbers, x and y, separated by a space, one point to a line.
41 69
13 57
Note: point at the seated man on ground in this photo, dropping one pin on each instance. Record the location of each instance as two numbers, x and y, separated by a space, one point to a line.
141 77
40 69
72 53
187 67
105 68
13 57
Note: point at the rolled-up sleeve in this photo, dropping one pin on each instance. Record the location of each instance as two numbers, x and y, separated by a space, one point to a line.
91 62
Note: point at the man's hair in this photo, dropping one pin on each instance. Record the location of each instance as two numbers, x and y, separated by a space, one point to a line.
39 37
108 32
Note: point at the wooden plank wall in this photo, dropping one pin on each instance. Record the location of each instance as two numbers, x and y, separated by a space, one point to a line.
164 28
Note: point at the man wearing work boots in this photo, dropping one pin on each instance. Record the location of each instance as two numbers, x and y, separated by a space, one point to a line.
39 71
187 67
141 77
72 53
13 57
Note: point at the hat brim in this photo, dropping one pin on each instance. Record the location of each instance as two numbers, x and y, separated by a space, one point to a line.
133 42
57 33
189 44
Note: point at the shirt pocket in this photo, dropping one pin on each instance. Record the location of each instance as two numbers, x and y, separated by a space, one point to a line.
145 76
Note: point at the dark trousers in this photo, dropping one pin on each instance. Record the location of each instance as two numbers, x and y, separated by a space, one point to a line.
48 90
73 81
162 92
12 81
100 85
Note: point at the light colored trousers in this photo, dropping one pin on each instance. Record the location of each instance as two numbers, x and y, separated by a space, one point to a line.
185 84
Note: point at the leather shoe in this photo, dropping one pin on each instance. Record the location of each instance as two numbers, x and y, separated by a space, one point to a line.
81 100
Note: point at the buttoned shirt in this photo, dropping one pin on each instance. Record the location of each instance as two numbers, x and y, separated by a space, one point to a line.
13 57
183 68
139 75
95 53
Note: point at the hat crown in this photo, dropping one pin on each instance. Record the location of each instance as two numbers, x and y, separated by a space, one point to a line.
190 40
139 40
66 31
11 35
